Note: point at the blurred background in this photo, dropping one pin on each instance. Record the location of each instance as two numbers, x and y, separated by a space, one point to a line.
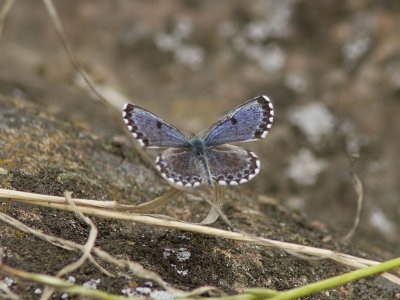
331 68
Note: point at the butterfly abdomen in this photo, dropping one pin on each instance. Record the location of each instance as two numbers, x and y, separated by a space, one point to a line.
199 149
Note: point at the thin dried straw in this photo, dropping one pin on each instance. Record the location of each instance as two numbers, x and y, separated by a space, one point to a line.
5 10
61 285
216 205
136 268
77 65
165 198
342 258
87 249
6 293
360 196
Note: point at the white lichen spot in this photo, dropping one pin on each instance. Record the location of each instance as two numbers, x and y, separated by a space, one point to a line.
167 252
183 28
192 56
3 171
270 58
184 237
276 23
166 42
64 296
182 272
148 283
183 254
354 141
175 42
253 40
162 295
71 279
37 291
314 120
130 292
257 30
8 281
381 222
273 58
356 48
147 292
143 290
305 167
92 284
296 81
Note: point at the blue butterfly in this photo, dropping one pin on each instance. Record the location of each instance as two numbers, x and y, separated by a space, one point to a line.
205 158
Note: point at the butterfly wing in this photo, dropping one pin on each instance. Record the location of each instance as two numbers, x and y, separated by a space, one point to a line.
181 167
249 121
231 165
150 130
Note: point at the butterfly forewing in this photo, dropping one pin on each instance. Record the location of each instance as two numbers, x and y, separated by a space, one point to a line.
249 121
231 165
150 130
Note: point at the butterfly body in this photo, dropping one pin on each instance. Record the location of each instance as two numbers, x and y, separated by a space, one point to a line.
205 158
197 146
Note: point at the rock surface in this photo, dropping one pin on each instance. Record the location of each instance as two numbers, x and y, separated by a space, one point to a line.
43 154
333 64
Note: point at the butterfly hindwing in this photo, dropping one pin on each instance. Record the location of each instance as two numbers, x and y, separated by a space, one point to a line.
231 165
180 167
150 130
249 121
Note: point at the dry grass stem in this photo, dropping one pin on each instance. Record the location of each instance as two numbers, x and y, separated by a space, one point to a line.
89 245
149 206
215 205
345 259
360 196
158 202
77 65
134 267
234 228
87 249
60 284
4 12
6 293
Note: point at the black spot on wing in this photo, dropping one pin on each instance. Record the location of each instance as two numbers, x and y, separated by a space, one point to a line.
234 121
143 125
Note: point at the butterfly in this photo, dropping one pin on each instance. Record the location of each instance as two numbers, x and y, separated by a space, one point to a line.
206 158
